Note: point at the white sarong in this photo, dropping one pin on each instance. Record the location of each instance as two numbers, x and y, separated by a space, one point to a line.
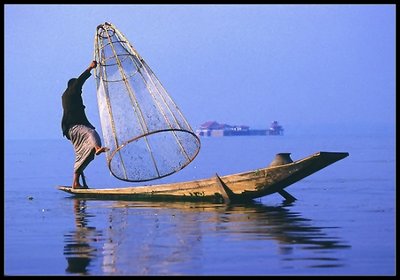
84 140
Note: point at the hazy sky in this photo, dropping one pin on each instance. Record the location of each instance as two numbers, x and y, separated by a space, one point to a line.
322 67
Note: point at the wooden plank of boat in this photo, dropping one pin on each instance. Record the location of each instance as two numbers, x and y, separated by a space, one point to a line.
229 188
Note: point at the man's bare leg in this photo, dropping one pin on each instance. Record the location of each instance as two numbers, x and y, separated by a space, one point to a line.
75 183
84 180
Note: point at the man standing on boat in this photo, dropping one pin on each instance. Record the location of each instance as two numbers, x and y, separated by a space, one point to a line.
77 128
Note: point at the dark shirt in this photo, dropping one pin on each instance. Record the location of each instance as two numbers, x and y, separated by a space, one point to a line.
74 110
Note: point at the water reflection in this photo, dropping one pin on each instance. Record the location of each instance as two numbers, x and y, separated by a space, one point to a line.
279 223
165 238
79 249
289 229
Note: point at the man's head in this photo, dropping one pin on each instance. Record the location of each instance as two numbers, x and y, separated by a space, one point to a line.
71 82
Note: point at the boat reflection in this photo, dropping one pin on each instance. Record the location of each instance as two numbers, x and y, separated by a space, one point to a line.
167 238
279 223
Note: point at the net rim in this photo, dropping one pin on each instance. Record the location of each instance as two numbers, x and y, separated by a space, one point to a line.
147 134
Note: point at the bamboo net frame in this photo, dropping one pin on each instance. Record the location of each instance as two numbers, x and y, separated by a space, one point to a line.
148 136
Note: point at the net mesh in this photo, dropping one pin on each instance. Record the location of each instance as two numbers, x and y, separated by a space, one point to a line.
148 136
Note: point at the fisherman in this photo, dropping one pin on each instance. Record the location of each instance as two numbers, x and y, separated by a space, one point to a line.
77 128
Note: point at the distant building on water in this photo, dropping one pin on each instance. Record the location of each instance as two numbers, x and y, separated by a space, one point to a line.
275 129
215 129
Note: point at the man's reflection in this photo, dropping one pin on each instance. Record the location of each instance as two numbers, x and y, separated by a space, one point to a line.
78 249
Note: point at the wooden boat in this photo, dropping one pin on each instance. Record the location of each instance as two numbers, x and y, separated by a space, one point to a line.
281 173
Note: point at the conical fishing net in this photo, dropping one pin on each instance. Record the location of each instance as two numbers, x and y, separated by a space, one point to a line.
148 136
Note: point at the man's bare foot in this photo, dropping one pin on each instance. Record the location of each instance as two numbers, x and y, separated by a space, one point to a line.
77 187
101 150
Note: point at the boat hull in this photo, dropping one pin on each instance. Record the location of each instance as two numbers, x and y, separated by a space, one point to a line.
235 187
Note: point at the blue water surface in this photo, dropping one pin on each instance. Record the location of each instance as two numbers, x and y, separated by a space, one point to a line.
342 223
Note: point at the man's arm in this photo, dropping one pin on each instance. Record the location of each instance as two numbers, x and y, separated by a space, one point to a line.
86 74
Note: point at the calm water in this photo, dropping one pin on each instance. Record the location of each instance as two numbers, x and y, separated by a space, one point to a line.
343 222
